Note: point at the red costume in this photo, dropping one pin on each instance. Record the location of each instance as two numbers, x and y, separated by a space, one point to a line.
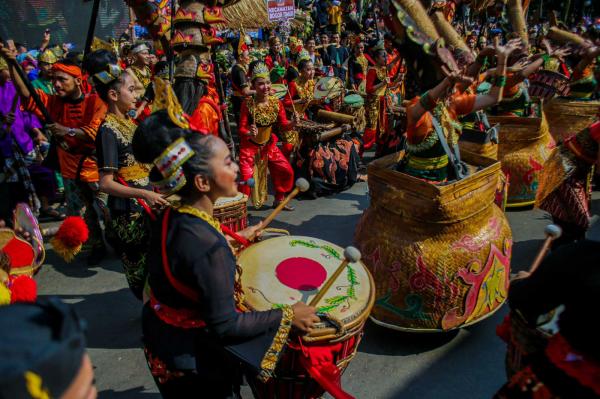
263 147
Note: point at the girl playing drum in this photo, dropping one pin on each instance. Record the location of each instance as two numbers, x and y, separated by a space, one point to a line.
193 315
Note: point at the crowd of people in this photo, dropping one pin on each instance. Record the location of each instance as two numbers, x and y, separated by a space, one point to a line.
115 134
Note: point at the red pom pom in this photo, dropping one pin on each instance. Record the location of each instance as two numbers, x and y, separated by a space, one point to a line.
22 289
73 231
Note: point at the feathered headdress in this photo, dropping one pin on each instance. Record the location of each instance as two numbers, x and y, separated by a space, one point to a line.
260 70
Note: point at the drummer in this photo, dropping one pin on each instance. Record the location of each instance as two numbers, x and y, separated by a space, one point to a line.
194 321
565 369
300 95
258 117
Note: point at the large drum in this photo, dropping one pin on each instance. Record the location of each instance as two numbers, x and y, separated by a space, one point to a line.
232 211
525 145
331 90
354 104
439 254
568 117
285 270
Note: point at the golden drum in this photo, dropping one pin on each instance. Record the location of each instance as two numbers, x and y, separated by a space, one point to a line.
525 145
568 117
440 255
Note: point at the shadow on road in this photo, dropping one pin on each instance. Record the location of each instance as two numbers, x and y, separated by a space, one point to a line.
132 393
113 318
383 341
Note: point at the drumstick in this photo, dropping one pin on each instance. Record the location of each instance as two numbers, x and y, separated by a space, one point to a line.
552 232
351 255
302 185
292 100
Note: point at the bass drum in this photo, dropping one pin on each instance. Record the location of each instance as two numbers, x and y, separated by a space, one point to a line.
285 270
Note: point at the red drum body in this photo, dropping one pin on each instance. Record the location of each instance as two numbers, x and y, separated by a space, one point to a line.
285 270
232 212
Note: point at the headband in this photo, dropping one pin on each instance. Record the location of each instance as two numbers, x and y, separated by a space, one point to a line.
139 48
260 70
72 70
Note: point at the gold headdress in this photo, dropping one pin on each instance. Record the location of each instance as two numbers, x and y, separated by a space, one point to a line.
48 57
260 70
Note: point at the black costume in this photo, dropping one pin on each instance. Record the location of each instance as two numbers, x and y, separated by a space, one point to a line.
191 325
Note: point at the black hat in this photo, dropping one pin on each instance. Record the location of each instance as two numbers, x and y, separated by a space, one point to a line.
42 345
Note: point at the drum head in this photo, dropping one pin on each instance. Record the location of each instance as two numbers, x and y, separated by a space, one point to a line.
285 270
328 88
354 101
279 90
224 201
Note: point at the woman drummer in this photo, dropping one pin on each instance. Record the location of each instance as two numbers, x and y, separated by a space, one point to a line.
436 112
194 309
377 84
259 115
130 196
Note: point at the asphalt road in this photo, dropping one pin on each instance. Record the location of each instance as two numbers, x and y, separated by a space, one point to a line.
389 364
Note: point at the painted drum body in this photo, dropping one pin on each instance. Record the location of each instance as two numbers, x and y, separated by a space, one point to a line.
525 145
232 211
285 270
440 255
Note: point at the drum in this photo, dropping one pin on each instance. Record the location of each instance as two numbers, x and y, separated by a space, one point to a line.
279 90
548 84
523 341
285 270
354 104
439 254
524 146
331 90
25 219
568 117
232 212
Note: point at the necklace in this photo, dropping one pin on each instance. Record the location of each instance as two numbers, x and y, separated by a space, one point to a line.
190 210
306 90
264 114
381 73
124 126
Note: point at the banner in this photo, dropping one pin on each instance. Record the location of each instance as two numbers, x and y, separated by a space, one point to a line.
280 10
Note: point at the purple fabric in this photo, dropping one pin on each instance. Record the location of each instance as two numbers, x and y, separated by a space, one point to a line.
23 125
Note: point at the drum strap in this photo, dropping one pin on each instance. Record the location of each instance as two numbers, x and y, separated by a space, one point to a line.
179 287
460 169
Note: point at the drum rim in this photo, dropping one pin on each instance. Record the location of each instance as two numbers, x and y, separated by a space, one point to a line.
350 324
241 201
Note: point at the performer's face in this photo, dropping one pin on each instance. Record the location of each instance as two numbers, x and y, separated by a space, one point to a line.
308 72
45 68
225 171
310 45
124 96
64 84
245 57
276 46
262 86
142 58
360 48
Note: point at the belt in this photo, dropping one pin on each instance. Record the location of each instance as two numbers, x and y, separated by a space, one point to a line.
134 172
419 163
182 318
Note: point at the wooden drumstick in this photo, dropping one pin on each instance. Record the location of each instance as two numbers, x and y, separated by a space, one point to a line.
552 232
302 185
351 255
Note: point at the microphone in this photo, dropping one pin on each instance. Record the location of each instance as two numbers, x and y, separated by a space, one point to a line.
250 182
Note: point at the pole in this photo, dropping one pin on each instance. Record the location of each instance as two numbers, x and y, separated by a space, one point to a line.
171 52
224 124
92 27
